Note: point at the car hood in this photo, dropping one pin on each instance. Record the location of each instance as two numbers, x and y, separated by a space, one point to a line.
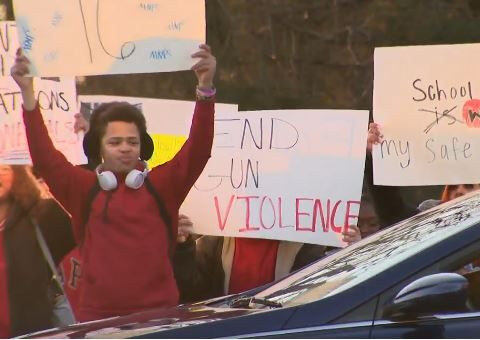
142 323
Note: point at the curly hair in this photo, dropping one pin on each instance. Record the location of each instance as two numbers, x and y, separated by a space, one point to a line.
118 112
25 191
115 112
106 113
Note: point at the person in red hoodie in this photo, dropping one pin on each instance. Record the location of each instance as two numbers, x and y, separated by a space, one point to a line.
213 266
126 244
71 266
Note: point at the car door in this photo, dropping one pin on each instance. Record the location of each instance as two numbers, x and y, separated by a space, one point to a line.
355 323
439 324
460 325
354 330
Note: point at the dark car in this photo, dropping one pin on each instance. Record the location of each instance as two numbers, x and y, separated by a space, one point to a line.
416 279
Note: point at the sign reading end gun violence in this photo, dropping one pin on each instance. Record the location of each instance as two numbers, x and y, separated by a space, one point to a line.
286 175
72 38
427 103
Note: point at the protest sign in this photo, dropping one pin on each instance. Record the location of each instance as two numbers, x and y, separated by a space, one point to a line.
72 38
57 100
287 175
426 101
8 46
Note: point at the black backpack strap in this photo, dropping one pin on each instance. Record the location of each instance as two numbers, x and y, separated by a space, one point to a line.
163 213
88 206
91 196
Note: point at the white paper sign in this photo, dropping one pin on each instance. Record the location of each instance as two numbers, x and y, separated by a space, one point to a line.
286 175
75 37
8 46
426 100
57 99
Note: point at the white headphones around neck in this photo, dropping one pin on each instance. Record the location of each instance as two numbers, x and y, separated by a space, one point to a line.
108 181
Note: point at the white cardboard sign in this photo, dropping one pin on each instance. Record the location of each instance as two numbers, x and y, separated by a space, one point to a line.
75 37
426 100
57 100
288 175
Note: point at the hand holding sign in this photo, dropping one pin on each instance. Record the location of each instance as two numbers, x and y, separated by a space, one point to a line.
352 235
81 124
205 68
20 71
185 228
374 136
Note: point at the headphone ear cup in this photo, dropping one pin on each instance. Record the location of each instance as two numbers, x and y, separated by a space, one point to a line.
87 144
135 179
107 180
147 147
91 146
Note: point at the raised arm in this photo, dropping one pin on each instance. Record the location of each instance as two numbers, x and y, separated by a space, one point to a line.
184 169
66 182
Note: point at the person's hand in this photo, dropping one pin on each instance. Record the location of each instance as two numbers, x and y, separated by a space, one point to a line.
352 235
185 228
81 124
374 136
205 68
19 72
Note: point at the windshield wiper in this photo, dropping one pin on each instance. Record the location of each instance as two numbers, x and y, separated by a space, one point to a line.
245 301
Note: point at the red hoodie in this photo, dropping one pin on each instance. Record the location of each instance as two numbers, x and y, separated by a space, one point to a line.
126 265
253 264
71 267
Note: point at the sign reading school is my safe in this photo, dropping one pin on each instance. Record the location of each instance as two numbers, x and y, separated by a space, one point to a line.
286 175
79 37
57 101
427 103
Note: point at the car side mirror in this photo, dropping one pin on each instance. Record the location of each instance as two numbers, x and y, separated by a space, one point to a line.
429 295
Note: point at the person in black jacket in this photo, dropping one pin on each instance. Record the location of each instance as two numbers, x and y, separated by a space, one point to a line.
26 285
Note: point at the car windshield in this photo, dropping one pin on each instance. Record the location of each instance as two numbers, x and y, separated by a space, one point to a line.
369 257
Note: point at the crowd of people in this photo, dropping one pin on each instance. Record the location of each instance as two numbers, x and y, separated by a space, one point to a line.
114 227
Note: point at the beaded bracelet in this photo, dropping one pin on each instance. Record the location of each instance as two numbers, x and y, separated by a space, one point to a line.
206 94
